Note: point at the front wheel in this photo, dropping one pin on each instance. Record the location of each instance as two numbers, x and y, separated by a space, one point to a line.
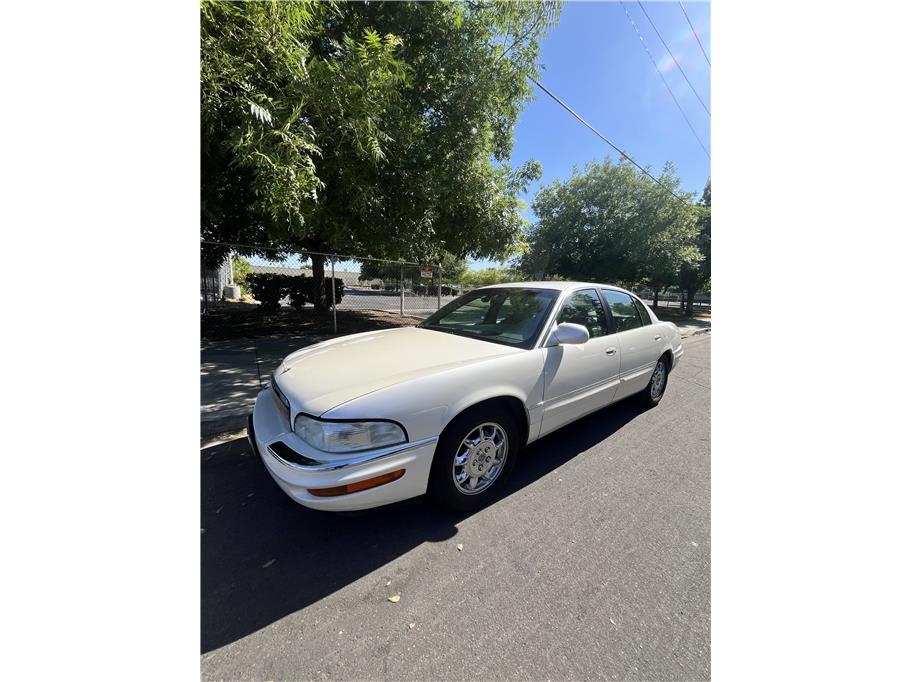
654 391
475 454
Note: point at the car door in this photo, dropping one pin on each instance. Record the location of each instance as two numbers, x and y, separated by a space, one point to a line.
639 343
579 379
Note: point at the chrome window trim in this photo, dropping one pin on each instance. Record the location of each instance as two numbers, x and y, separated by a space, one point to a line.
361 458
549 323
559 305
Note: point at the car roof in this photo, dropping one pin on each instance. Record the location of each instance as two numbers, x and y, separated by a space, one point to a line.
556 286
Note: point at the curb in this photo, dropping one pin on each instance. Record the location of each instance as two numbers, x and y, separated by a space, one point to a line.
696 333
220 425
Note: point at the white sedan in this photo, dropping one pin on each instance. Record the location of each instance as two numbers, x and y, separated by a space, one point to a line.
444 407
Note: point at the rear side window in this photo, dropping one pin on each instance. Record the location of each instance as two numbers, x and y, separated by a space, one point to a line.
584 308
623 310
644 314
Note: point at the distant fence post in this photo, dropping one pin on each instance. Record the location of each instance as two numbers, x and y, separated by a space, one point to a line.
439 285
332 267
401 290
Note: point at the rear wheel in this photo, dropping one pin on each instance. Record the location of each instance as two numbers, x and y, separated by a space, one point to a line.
652 394
475 454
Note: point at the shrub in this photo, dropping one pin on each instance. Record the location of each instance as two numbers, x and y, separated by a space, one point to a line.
300 290
241 269
268 289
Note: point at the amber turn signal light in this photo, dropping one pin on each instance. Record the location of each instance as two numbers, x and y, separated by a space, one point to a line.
360 485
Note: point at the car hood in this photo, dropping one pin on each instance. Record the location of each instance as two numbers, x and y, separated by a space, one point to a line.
318 378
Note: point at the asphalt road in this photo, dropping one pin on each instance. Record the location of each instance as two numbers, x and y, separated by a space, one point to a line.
595 563
360 299
367 300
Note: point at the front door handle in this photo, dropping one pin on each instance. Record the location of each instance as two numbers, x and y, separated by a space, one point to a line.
657 337
611 351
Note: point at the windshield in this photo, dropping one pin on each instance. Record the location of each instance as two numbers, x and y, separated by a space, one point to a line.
508 315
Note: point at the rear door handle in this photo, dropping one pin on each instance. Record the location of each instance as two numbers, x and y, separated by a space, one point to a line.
611 351
657 337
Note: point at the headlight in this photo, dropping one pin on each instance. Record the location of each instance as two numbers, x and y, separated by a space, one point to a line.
347 436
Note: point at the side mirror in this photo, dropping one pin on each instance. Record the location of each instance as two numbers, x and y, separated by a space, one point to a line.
569 334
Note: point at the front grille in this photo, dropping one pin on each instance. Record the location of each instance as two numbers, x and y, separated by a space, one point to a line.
281 400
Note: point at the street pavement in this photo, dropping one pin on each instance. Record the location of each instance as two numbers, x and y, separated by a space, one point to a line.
594 563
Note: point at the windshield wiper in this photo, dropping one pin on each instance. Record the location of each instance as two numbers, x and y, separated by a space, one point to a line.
438 328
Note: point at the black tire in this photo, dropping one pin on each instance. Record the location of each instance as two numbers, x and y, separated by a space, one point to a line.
442 486
647 395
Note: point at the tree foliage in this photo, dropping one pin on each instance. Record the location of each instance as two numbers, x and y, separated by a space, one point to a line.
263 86
449 268
487 276
612 224
240 269
371 269
370 128
694 278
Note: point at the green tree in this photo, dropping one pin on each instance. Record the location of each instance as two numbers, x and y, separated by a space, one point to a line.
487 276
376 128
693 278
610 223
452 268
371 269
240 269
262 85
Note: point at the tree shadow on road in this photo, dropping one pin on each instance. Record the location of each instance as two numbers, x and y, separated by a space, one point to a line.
265 557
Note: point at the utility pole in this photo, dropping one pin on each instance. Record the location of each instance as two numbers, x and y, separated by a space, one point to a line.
332 267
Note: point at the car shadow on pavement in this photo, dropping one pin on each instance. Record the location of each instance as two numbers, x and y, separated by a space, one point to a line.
264 557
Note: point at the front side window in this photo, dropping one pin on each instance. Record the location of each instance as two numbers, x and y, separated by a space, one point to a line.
584 308
623 310
508 315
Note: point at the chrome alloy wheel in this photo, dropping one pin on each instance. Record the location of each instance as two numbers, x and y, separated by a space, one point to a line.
480 458
659 377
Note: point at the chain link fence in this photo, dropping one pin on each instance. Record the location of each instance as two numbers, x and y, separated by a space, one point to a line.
278 282
270 291
672 298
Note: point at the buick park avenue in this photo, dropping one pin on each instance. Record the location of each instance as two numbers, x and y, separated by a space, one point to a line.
444 407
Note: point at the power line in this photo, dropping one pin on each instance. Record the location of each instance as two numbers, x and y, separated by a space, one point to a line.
651 23
614 146
694 32
667 87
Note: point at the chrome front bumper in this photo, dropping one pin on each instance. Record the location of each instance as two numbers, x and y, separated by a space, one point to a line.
296 467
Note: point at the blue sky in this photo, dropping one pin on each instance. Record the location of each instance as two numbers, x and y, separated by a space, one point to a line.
594 61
